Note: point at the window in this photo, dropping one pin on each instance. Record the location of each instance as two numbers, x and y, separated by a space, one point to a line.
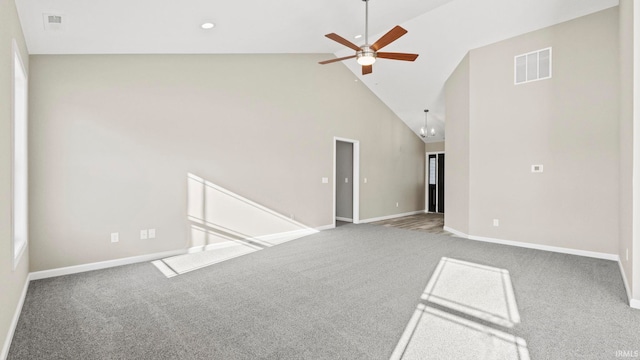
432 170
19 160
533 66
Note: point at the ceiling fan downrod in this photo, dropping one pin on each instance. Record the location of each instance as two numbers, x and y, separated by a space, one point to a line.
366 56
366 22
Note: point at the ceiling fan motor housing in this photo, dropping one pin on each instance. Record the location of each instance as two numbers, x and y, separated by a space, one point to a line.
366 56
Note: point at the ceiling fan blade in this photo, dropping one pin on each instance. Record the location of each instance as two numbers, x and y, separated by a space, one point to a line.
386 39
397 56
343 41
367 69
336 60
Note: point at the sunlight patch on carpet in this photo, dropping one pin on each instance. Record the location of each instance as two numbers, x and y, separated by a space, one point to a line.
465 312
436 334
478 290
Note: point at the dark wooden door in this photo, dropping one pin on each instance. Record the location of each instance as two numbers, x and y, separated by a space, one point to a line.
432 179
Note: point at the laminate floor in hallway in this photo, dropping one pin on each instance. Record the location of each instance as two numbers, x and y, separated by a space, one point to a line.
430 222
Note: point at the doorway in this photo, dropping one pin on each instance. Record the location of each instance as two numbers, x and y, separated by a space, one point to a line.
434 189
346 177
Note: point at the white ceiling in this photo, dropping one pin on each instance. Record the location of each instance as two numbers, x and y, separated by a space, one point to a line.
441 31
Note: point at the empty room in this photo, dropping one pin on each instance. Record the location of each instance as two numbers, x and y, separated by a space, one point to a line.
353 179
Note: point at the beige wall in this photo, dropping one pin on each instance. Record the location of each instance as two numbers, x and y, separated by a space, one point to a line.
456 189
567 123
636 158
434 146
113 138
12 281
626 137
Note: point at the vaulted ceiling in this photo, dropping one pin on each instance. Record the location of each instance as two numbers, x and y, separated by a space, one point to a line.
441 31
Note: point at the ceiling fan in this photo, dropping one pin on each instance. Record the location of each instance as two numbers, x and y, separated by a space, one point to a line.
367 54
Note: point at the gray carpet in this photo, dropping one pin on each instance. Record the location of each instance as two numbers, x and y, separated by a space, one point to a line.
346 293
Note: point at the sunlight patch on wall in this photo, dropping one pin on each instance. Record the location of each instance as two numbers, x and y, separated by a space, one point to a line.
222 210
224 225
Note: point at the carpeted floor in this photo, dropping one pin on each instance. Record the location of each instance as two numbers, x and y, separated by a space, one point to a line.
347 293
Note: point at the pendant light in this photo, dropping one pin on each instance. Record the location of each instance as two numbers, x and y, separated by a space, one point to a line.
424 132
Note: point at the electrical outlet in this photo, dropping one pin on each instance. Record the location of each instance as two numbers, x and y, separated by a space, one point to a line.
152 233
325 180
346 180
397 204
143 234
537 168
496 222
365 180
115 237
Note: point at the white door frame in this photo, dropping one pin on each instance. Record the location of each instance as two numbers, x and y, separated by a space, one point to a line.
356 178
426 180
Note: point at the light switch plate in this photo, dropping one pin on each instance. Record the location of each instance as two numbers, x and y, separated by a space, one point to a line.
143 234
325 180
115 237
152 233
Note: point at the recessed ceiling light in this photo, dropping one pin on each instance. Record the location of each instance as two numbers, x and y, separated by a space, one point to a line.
358 36
208 25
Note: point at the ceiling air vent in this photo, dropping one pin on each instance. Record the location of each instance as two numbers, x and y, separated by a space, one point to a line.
53 21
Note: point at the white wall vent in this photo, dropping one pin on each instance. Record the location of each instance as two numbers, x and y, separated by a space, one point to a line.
53 21
532 66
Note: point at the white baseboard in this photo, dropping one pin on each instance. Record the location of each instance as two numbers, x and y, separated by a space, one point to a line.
213 246
259 239
344 219
365 221
592 254
632 302
455 232
326 227
102 265
624 281
276 236
14 320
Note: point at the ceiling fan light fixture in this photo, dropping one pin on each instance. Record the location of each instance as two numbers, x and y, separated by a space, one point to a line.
366 57
366 60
